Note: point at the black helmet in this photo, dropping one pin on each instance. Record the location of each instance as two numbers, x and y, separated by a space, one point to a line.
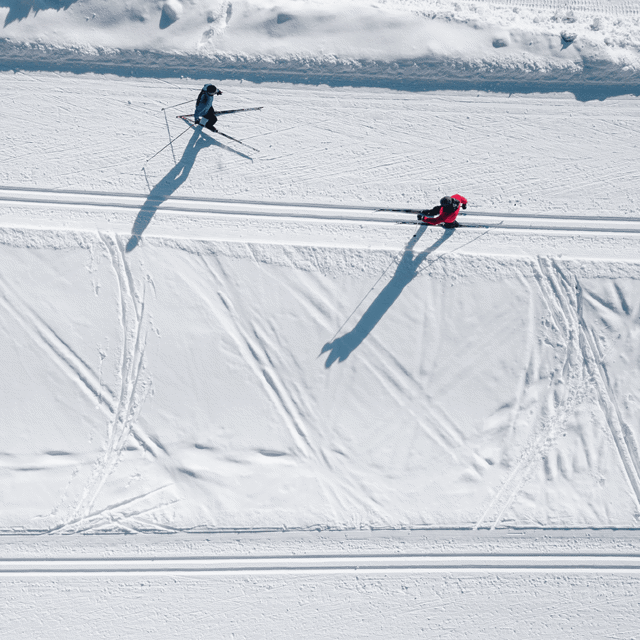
210 89
447 201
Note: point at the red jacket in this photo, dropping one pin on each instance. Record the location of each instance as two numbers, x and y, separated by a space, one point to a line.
444 216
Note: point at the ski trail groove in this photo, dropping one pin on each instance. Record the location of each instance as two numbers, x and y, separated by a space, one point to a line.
622 434
251 565
564 390
43 335
114 513
259 363
132 391
209 207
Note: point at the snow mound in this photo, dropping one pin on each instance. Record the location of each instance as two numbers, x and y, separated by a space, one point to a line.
357 42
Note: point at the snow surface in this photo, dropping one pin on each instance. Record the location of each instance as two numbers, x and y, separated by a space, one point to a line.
235 345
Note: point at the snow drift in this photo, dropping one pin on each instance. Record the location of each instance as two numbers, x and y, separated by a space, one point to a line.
399 43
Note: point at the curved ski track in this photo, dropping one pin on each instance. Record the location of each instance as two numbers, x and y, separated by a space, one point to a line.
206 207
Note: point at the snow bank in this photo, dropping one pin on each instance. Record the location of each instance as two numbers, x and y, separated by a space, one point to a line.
394 42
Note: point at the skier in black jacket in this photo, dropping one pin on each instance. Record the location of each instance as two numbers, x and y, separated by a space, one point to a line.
204 114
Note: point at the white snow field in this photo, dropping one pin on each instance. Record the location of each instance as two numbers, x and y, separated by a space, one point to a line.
241 397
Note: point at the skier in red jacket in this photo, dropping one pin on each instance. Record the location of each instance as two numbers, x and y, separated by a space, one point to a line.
446 213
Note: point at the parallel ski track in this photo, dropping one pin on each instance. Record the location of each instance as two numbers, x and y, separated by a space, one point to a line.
181 205
327 564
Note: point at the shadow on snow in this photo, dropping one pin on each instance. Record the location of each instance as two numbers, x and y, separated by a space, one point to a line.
170 183
20 9
342 347
595 82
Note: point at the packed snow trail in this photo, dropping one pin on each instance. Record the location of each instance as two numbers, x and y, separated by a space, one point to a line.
346 146
384 584
35 205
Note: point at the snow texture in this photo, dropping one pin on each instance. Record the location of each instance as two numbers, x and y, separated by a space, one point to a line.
390 428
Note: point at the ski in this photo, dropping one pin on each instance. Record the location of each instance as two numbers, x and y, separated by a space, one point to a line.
193 125
414 211
460 226
238 141
223 113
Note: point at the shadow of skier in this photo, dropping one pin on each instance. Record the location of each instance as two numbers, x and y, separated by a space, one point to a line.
342 347
170 183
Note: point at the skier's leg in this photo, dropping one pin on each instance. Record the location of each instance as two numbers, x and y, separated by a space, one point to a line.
209 120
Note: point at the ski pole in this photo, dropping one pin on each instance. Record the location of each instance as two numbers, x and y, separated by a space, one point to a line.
193 126
238 141
221 113
166 145
175 105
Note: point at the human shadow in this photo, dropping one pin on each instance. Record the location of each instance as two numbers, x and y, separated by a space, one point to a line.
20 9
342 347
168 185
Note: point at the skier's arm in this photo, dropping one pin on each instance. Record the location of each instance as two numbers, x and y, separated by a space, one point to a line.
461 199
438 219
449 217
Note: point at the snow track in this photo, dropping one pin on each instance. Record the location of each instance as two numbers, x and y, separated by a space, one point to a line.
184 205
347 551
450 563
355 584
